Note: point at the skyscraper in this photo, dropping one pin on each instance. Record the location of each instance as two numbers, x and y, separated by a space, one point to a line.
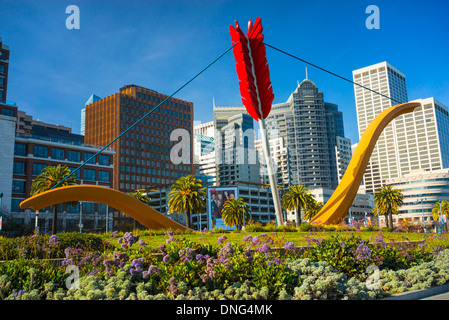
144 154
235 153
309 127
417 140
390 82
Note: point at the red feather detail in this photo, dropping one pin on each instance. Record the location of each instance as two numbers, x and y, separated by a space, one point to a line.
252 69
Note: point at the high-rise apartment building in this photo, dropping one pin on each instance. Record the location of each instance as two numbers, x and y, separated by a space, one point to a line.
309 127
145 155
418 140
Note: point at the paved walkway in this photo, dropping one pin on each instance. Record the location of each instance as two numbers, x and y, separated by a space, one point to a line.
442 296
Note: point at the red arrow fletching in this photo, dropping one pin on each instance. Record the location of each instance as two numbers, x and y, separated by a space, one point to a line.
252 69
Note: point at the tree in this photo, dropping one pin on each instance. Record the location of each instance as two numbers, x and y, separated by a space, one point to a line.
296 198
233 211
312 209
444 209
187 196
379 210
388 201
47 179
139 195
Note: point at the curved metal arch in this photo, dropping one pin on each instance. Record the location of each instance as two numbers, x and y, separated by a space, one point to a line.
341 200
113 198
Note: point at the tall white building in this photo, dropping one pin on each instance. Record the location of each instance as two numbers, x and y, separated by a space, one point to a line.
413 141
390 82
417 140
343 154
204 129
204 157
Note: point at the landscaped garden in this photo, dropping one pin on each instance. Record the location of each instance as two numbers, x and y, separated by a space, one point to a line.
258 263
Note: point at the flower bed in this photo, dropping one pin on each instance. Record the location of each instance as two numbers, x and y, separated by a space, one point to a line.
342 266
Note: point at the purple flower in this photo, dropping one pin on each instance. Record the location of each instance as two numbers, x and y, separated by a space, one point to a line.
255 241
265 249
152 269
67 262
170 237
173 286
275 261
163 249
200 258
222 239
247 238
289 246
363 253
128 240
53 241
166 258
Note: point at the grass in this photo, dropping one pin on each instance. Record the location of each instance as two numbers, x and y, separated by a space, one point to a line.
155 238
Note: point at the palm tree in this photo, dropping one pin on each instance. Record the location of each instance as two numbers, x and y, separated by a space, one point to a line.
297 198
444 209
379 210
388 201
312 209
47 179
187 196
233 211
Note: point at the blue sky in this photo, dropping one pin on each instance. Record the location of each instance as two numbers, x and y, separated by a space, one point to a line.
162 44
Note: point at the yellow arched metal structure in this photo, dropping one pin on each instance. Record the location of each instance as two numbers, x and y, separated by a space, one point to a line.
113 198
333 211
341 200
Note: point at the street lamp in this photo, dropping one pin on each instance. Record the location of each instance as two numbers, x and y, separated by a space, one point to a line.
36 225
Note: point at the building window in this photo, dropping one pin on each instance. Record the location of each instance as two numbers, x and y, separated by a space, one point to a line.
15 205
76 174
89 174
20 149
19 168
74 156
88 207
87 156
57 154
37 168
103 176
40 151
2 68
18 186
7 112
2 81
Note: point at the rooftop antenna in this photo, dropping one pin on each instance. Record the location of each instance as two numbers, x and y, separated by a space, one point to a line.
307 77
213 102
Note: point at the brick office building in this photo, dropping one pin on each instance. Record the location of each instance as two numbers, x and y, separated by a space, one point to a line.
142 159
